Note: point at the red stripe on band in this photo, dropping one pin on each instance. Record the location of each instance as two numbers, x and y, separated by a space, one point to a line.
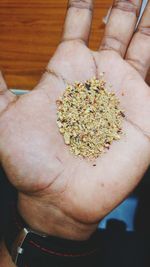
32 243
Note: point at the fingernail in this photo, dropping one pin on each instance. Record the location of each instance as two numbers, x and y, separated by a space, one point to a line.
106 18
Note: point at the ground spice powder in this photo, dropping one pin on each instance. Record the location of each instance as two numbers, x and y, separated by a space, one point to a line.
89 117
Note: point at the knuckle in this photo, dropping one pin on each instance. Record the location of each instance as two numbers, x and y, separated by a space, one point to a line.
113 43
80 4
127 6
137 64
144 30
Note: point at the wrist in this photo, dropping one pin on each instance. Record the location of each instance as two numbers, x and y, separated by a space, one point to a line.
50 220
25 244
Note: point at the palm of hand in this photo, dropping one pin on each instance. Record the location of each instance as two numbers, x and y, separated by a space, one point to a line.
38 162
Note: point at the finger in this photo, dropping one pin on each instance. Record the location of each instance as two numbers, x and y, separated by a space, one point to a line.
121 25
138 54
78 20
3 85
6 96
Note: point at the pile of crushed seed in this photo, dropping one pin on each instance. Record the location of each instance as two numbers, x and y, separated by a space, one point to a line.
89 118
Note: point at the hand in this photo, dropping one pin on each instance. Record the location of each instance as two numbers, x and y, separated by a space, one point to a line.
61 194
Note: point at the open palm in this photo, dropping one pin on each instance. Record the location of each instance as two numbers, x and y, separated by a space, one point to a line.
68 195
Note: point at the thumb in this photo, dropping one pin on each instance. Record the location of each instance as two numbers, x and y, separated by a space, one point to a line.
3 85
6 96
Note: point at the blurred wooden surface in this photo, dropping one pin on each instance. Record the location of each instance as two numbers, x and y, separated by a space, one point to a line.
30 30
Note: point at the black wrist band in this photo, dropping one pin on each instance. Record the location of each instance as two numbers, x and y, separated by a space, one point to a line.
29 248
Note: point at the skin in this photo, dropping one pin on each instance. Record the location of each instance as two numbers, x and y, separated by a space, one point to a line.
67 195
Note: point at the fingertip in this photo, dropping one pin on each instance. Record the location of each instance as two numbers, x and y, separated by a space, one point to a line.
3 85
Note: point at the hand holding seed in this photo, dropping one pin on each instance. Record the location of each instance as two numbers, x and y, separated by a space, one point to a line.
68 195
